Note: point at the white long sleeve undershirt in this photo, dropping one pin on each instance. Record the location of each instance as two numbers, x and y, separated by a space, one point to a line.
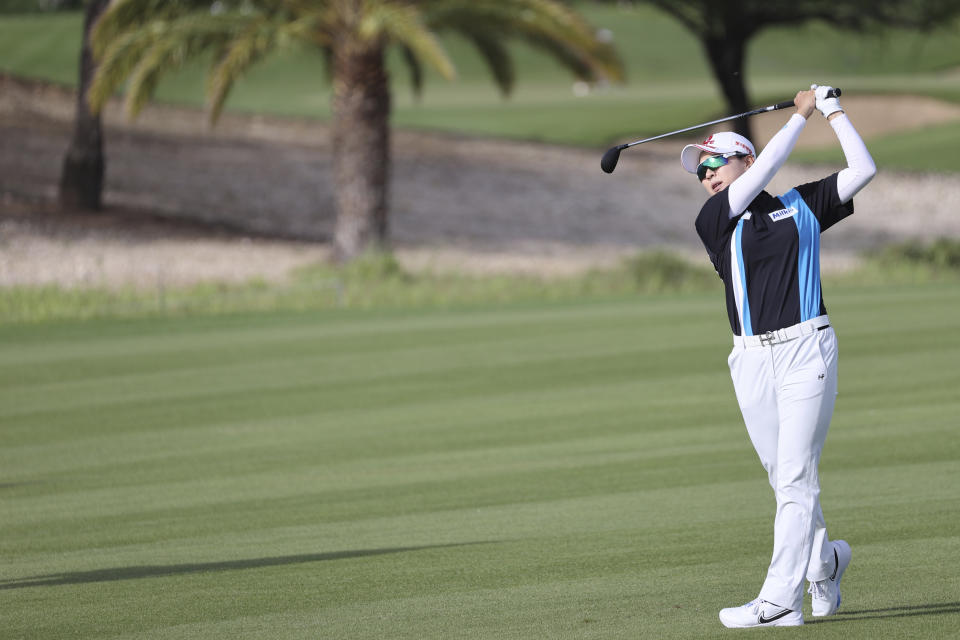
860 166
749 185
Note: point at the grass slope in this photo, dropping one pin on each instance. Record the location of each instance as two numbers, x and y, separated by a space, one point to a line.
670 85
567 471
928 149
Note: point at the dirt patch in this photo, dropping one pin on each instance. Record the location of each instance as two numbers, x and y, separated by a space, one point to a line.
42 245
252 197
872 115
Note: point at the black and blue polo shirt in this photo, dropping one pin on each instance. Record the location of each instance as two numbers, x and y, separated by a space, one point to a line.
769 256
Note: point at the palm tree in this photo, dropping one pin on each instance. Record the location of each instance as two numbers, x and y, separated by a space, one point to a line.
81 179
136 41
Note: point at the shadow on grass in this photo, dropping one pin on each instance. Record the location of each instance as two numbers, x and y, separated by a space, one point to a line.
157 571
905 611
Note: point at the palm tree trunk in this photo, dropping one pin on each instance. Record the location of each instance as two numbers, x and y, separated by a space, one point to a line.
361 145
81 180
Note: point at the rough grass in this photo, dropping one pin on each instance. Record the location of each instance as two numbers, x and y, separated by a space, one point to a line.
379 281
372 281
562 470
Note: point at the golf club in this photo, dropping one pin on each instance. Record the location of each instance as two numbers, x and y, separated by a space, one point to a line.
609 161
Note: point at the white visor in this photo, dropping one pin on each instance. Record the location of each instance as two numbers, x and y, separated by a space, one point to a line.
723 143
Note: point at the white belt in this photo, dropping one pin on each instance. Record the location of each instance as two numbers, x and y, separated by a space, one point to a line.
779 336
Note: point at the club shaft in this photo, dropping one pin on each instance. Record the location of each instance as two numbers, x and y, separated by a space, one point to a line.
835 93
773 107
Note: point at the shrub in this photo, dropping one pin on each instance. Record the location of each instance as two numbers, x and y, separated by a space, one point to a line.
662 271
941 255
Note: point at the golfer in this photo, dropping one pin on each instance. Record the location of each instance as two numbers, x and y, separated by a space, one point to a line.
784 359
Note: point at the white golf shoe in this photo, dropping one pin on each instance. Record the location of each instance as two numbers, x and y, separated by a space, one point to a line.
826 593
760 613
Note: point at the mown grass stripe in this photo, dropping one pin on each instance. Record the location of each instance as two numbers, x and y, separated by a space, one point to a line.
587 475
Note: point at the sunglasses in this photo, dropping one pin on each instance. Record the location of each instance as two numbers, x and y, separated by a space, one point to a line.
715 162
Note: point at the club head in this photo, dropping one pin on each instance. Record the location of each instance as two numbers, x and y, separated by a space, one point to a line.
609 160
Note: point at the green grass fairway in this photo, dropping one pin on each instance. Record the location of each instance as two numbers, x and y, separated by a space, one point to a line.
574 470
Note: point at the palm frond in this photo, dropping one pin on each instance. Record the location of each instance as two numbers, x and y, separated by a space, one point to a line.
327 53
146 75
140 39
415 68
567 57
165 45
494 54
308 27
548 24
562 31
123 35
404 25
118 59
258 39
122 16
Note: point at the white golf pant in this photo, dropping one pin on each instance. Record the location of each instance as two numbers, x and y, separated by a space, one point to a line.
786 393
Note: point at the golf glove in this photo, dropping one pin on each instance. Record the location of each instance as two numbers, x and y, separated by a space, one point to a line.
826 105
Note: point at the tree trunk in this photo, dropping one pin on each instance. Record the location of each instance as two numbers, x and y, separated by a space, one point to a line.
361 145
726 56
81 180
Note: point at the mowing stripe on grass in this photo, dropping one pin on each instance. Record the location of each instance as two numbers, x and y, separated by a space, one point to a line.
567 470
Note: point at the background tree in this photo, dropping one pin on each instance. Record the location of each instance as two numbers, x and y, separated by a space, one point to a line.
81 178
725 28
34 6
137 41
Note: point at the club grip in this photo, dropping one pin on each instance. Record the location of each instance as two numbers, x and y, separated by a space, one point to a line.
833 93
